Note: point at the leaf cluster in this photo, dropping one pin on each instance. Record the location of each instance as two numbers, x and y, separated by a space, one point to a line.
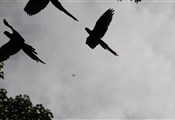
21 108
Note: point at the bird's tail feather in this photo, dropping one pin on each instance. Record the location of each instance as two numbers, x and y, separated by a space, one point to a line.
105 46
58 5
70 15
30 51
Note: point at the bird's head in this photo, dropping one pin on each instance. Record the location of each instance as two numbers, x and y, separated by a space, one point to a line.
7 34
88 30
5 21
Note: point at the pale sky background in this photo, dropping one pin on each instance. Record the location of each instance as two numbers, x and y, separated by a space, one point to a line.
140 83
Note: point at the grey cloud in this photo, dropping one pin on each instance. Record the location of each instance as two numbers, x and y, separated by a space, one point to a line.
138 84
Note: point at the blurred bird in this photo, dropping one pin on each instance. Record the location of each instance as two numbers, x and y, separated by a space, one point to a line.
136 1
15 44
35 6
99 31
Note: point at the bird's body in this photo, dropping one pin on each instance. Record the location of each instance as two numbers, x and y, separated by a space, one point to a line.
35 6
99 31
5 52
15 44
92 41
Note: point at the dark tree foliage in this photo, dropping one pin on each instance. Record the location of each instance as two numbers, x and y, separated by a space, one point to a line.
21 108
136 1
1 72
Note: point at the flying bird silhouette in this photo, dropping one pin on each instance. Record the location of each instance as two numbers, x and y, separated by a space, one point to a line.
136 1
15 44
99 31
35 6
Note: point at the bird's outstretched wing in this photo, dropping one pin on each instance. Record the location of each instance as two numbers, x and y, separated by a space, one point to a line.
30 51
58 5
102 24
35 6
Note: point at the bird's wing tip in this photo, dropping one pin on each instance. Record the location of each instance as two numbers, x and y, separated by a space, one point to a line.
28 13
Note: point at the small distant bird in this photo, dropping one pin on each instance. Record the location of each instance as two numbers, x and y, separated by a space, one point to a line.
136 1
73 75
15 44
99 31
35 6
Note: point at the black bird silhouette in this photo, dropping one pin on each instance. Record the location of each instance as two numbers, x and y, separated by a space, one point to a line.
99 31
35 6
136 1
15 44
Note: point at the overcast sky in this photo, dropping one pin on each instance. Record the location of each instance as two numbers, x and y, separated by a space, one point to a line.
140 83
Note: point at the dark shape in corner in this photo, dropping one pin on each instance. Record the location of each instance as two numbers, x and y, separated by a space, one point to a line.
15 44
99 31
35 6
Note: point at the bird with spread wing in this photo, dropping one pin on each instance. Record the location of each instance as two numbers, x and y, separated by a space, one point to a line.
99 31
35 6
15 44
